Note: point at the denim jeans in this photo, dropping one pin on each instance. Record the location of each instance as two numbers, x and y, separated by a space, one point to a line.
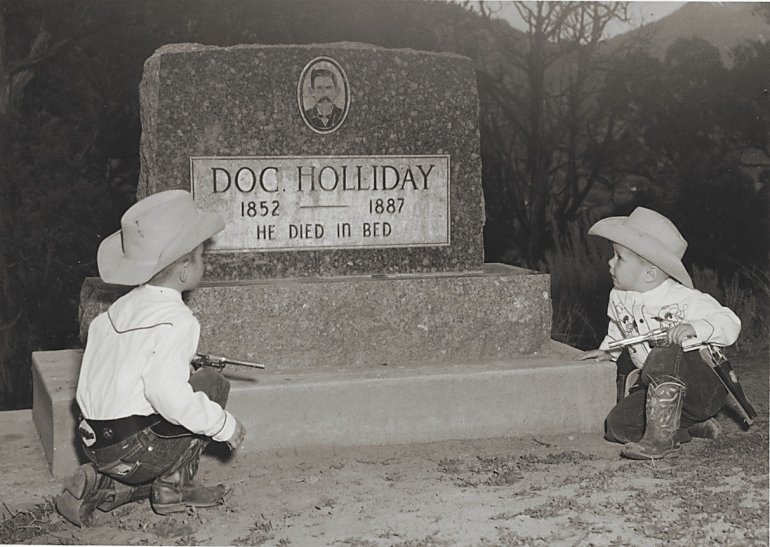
147 455
704 393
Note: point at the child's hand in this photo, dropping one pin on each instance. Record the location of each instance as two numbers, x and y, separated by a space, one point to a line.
680 333
595 354
237 438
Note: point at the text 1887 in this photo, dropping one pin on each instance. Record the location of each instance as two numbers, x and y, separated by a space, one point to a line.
391 205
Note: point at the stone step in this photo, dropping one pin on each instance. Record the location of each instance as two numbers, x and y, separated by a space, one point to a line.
547 393
498 312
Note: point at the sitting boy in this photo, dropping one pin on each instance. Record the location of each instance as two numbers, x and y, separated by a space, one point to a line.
677 394
144 418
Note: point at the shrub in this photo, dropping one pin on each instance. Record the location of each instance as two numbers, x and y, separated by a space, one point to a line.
747 293
580 286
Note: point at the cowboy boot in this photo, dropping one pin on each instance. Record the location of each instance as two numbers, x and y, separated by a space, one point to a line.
665 396
87 490
176 491
710 429
120 494
82 493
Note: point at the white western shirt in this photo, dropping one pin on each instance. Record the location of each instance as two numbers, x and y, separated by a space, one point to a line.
633 313
137 361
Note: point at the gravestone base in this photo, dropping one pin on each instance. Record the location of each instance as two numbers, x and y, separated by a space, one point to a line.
499 312
544 393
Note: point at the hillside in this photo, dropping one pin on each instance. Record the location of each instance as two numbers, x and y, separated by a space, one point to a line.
725 25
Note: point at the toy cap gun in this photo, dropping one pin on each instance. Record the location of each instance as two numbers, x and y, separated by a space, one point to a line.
713 356
655 337
218 362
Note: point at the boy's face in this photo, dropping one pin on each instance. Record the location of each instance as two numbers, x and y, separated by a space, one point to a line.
629 271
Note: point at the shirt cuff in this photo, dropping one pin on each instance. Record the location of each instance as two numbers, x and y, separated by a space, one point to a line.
227 429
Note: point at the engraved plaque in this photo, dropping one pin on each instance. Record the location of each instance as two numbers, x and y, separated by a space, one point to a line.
293 203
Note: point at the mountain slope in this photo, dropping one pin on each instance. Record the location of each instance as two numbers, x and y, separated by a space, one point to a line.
725 25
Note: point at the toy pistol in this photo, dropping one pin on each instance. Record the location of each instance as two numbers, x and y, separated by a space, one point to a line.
656 336
218 362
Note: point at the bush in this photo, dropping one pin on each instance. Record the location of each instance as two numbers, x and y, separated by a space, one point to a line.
747 293
580 286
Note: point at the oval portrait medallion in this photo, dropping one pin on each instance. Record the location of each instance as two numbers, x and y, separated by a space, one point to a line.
323 95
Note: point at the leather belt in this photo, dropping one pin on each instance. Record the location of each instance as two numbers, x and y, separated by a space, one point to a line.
101 433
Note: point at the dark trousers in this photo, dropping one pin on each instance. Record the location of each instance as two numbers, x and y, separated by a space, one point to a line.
704 393
147 455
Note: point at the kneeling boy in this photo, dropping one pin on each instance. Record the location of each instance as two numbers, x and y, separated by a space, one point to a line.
677 394
144 418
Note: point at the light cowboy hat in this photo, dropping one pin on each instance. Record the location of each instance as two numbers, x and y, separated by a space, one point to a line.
650 235
155 232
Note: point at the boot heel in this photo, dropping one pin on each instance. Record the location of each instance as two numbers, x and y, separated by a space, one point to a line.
73 503
167 498
81 480
169 508
638 451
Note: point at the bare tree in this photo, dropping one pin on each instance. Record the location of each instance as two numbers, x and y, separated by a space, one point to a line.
28 39
34 36
17 68
552 132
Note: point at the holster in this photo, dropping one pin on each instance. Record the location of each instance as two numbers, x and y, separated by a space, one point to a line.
627 375
719 363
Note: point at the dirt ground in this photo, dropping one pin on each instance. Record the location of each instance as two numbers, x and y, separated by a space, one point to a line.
550 490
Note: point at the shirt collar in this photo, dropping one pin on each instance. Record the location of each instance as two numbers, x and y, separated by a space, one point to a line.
660 289
652 293
165 291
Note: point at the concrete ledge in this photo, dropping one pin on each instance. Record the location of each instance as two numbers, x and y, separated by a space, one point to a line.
354 406
54 409
499 313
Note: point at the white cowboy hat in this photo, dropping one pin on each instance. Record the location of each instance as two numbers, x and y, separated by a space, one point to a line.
650 235
155 232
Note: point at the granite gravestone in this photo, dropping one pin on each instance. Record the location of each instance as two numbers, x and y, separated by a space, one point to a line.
350 178
394 186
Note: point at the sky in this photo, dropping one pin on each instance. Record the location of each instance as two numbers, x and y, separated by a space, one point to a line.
641 11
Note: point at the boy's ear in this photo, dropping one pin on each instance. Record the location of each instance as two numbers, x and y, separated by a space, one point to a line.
652 273
184 271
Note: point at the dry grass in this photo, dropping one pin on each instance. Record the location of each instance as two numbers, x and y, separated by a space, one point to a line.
747 293
580 286
22 526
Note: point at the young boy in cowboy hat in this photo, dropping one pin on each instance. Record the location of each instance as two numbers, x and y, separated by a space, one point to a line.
677 394
144 418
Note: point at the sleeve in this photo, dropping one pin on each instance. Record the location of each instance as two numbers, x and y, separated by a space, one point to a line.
166 376
613 332
713 323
